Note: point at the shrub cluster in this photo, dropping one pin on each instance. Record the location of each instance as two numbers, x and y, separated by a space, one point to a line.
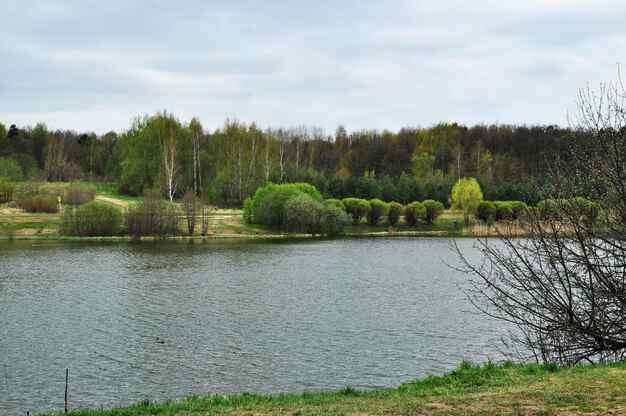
575 209
92 219
490 211
39 203
295 208
78 193
152 217
252 205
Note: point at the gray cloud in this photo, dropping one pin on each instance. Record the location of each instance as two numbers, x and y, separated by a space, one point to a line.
91 65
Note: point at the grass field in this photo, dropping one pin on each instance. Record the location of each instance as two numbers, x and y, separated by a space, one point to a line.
470 390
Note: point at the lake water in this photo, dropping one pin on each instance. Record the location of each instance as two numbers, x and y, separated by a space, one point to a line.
158 320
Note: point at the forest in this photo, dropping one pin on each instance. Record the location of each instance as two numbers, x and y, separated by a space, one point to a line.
159 152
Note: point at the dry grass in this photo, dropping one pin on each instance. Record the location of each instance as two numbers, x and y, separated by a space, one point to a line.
503 228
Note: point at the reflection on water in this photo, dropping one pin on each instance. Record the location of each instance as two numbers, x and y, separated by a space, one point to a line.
164 320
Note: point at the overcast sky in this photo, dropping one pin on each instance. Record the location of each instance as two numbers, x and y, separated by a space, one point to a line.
94 65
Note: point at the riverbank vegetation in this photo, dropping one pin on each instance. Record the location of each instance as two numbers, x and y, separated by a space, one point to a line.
378 176
49 210
228 164
507 388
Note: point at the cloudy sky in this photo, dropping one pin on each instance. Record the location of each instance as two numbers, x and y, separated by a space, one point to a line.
94 65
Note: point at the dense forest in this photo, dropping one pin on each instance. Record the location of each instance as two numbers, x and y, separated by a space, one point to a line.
229 164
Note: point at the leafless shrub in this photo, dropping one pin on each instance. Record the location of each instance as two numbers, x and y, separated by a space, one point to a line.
564 286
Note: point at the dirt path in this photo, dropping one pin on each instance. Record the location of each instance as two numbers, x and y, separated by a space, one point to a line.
118 202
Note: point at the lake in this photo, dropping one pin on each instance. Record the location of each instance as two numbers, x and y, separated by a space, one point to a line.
159 320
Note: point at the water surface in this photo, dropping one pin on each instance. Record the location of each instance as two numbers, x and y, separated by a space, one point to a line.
164 320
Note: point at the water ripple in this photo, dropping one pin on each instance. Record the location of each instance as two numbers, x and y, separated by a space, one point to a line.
165 320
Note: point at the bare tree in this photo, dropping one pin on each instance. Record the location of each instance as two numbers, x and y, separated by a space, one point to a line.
563 288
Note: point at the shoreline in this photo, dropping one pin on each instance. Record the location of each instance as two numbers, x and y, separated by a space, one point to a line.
525 389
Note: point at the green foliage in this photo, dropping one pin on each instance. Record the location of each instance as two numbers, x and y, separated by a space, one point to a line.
336 202
92 219
247 210
301 213
7 188
333 220
519 209
466 195
264 192
389 192
575 209
433 210
152 216
396 211
486 211
357 208
548 209
422 165
504 210
414 211
11 169
39 203
378 209
271 209
28 166
296 207
219 188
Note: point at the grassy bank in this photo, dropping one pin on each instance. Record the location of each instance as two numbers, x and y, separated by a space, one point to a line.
472 390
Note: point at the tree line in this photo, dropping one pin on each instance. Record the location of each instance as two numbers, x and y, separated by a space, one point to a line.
228 164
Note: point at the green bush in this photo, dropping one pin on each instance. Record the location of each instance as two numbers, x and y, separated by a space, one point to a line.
39 203
301 213
357 208
433 210
548 209
271 210
519 209
396 211
247 210
336 202
265 191
378 209
333 220
414 211
152 216
504 210
486 211
7 188
78 193
574 209
92 219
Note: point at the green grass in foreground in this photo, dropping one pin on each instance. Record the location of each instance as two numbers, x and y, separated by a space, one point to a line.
470 390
